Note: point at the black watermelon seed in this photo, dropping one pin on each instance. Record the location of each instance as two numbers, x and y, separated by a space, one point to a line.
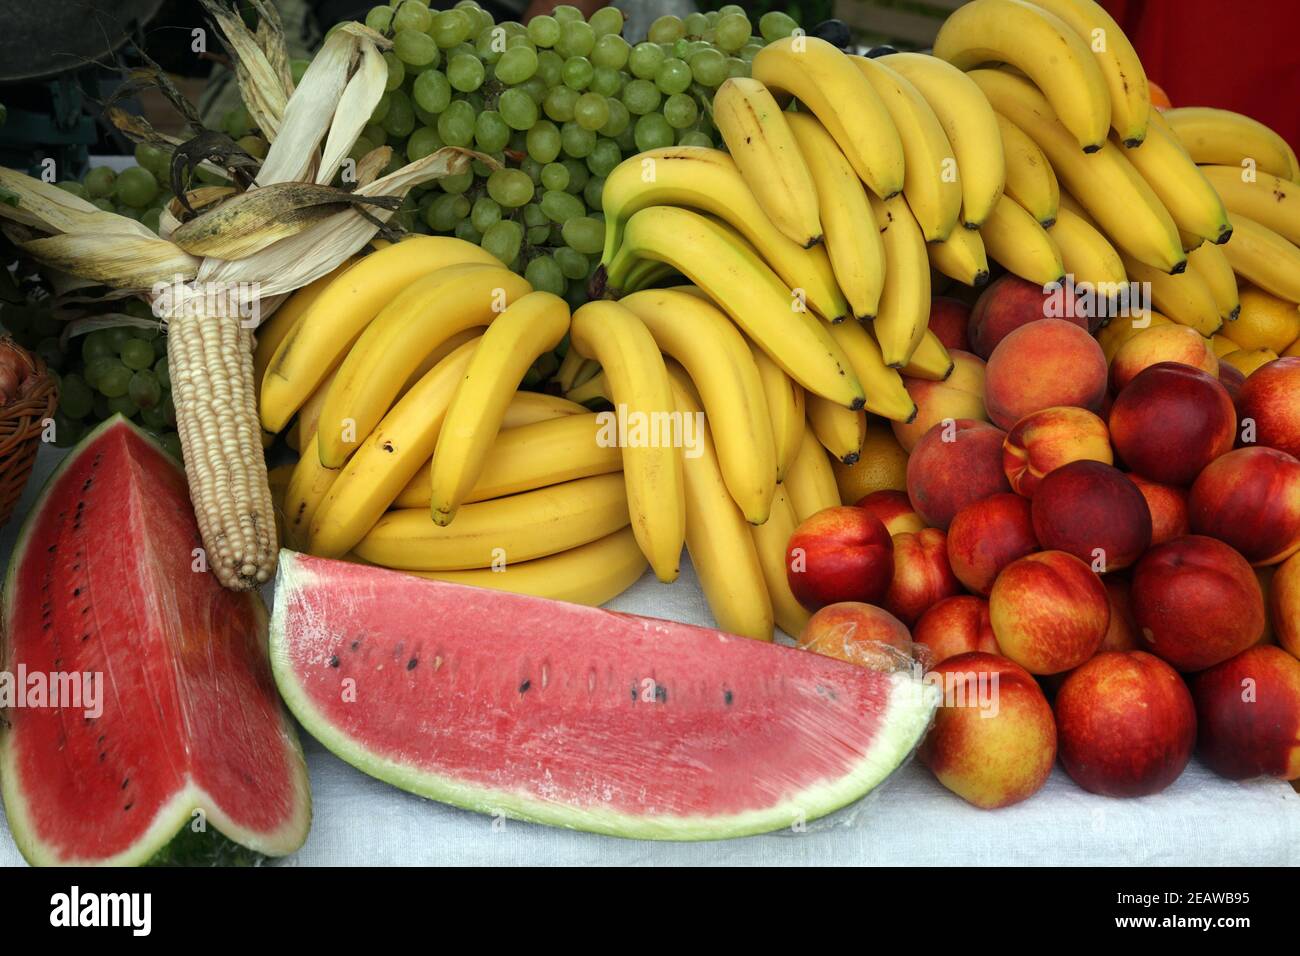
102 756
128 806
410 665
125 783
727 697
661 693
355 644
523 688
333 661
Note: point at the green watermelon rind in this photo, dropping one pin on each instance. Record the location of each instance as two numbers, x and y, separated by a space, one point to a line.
178 813
911 708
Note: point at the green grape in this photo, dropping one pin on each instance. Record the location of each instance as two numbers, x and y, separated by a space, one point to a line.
695 24
152 218
592 191
544 275
97 367
560 103
465 72
577 72
162 372
572 263
708 67
576 39
732 31
153 158
137 354
486 212
591 111
653 132
619 119
534 88
585 234
775 25
514 40
576 141
451 27
693 137
75 396
607 21
400 120
503 240
104 204
666 30
543 141
360 146
97 345
153 417
123 405
74 187
673 76
578 175
566 13
554 176
516 65
171 443
535 216
465 231
412 16
736 66
627 139
445 211
423 141
517 109
532 168
561 206
415 49
549 65
749 51
99 182
118 337
606 81
644 60
604 157
67 431
611 51
380 19
113 379
456 124
510 187
537 235
457 183
641 97
491 134
680 111
544 30
144 389
375 131
731 8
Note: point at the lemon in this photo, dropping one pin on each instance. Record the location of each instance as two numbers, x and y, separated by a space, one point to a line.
1222 345
1293 350
1247 360
1265 322
883 465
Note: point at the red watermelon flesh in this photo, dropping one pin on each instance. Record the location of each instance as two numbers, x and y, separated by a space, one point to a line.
103 581
575 716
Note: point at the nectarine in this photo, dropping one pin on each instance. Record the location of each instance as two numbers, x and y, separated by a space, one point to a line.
839 554
1049 612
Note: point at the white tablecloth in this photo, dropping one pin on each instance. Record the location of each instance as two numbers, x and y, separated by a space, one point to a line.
911 820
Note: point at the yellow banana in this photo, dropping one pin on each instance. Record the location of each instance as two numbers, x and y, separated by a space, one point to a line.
970 126
717 535
754 128
1211 264
1260 256
529 407
1267 199
851 236
931 179
1192 202
275 329
905 302
1225 138
810 481
502 531
1087 255
840 430
725 267
316 345
308 485
1105 183
642 395
827 83
1184 298
589 574
961 256
930 361
592 390
570 366
1014 238
770 542
1031 181
1044 48
786 405
719 361
886 395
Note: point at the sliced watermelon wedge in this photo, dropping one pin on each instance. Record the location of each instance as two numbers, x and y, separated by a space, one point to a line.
578 717
190 738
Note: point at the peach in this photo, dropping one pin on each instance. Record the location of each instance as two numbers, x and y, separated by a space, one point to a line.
1171 421
986 536
859 634
1271 398
1265 575
1168 507
1092 511
839 554
1046 363
960 395
1045 440
1196 602
993 742
1049 612
954 463
1161 343
1284 601
1122 632
922 575
1009 303
949 321
1248 709
1231 378
1125 724
1250 498
956 625
894 509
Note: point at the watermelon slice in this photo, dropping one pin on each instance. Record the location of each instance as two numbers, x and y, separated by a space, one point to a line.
578 717
190 737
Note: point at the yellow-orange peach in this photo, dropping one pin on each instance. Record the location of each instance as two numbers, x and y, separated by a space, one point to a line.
858 633
956 625
1049 612
894 509
1271 399
1168 507
960 395
1045 440
1042 364
1161 343
922 575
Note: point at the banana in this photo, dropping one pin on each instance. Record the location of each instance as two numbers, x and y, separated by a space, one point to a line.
275 329
589 574
886 395
1184 298
1105 183
308 485
642 395
851 236
969 123
1031 181
840 430
502 531
754 128
810 481
529 407
316 345
728 270
309 415
594 389
387 459
961 256
905 302
1267 199
531 326
1260 256
1192 202
1130 96
708 180
770 542
645 273
931 179
531 456
827 83
717 535
931 360
570 366
1210 263
718 359
1225 138
1015 239
1042 46
1087 255
417 321
786 404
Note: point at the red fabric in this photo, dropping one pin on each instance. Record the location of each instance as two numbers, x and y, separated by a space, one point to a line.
1239 55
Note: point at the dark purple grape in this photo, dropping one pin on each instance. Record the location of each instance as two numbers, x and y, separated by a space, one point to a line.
833 31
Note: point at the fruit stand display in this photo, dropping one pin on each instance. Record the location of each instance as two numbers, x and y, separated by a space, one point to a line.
939 405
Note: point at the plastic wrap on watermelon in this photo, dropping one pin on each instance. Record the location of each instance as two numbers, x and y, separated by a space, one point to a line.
555 713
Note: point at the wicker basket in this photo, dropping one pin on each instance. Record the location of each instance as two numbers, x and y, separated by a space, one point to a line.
21 422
